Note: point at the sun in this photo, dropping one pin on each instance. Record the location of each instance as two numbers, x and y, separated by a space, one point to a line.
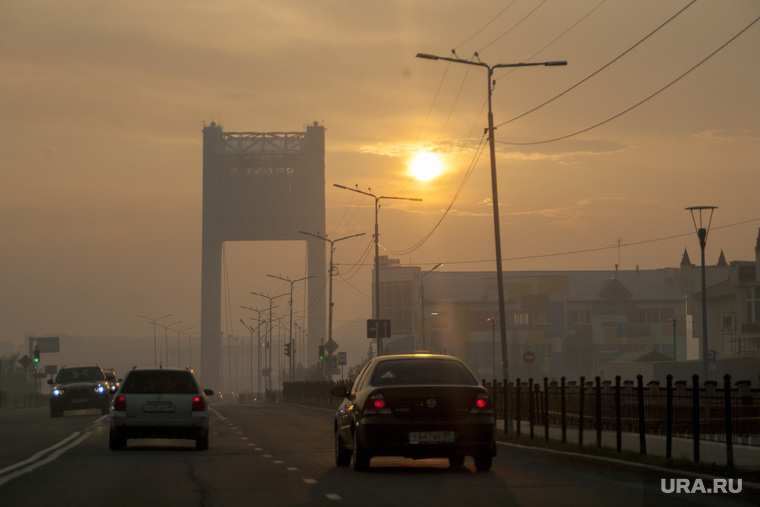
426 166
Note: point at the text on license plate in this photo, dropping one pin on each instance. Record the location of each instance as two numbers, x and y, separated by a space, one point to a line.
158 407
431 437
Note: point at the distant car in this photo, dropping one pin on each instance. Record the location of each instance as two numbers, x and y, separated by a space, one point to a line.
417 406
113 381
160 403
79 387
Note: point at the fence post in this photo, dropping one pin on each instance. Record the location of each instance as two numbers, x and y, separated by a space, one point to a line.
729 428
517 407
563 410
531 407
642 420
580 410
695 415
618 416
505 407
669 418
546 409
598 411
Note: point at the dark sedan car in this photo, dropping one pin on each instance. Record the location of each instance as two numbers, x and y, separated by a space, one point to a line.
416 406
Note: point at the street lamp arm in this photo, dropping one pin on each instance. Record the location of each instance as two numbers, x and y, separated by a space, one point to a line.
554 63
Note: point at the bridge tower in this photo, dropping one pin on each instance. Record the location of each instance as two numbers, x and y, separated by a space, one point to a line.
260 186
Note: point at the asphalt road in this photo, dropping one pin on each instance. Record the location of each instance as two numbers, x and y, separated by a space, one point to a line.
283 455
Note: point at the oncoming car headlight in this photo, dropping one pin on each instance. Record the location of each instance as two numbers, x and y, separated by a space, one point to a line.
57 392
100 389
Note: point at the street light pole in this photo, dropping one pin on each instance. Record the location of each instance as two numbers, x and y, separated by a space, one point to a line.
422 300
166 337
180 331
332 269
290 338
270 298
494 186
702 235
377 250
155 350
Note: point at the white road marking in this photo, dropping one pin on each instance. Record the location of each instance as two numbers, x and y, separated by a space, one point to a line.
35 461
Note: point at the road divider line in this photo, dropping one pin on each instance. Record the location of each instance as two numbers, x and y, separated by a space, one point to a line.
35 461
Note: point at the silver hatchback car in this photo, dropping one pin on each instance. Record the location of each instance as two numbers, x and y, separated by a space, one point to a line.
160 403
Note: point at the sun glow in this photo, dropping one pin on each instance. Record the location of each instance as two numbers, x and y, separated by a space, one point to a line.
426 166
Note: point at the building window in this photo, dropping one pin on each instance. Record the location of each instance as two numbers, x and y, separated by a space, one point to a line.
520 318
579 317
731 345
753 305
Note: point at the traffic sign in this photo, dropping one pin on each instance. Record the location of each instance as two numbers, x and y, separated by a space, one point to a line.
529 356
331 346
342 358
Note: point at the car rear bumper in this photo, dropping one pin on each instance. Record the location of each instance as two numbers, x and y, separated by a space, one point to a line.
392 438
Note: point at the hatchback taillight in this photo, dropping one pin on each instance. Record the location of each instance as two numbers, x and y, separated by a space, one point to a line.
120 403
198 404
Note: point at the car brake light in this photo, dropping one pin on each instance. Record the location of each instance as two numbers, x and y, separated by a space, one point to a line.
120 404
198 404
482 404
376 404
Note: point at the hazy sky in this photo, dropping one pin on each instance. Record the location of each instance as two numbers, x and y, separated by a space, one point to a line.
103 103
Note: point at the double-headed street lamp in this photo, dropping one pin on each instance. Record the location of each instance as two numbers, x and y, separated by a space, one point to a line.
290 339
702 234
422 299
494 186
270 298
332 270
155 350
377 251
166 337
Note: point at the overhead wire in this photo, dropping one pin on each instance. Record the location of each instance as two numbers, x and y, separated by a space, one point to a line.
641 101
603 67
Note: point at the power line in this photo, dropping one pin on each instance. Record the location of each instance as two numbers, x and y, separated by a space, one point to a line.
642 101
598 249
601 68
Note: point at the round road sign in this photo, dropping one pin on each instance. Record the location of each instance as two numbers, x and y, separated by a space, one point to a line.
529 356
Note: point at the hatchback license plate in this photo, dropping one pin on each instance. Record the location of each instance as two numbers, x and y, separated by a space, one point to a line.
431 437
158 407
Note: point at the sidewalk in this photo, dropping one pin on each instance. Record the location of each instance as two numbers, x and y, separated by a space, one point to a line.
745 456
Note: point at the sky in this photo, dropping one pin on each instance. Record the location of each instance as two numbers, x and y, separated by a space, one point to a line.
103 106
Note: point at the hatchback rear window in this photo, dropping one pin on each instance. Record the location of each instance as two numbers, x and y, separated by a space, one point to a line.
155 382
426 371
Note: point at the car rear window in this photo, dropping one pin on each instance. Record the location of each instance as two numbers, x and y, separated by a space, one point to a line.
422 371
155 382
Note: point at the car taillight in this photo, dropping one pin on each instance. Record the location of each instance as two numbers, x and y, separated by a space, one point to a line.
120 404
482 404
376 404
198 404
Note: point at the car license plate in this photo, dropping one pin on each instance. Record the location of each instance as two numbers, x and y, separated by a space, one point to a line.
431 437
79 400
158 407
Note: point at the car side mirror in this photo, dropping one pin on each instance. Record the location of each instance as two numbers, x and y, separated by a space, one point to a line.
50 381
208 392
339 391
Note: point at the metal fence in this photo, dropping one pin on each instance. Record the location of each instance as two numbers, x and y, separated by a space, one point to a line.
722 411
